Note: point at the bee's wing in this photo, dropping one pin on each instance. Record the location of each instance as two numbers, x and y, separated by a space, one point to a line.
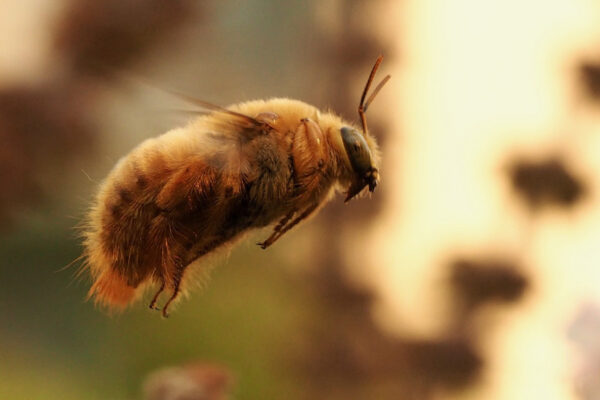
229 147
247 125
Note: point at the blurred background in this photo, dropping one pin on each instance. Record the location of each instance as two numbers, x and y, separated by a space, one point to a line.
472 272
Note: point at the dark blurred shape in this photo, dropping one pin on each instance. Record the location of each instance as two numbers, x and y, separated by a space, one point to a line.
353 49
50 124
480 282
337 293
39 126
191 382
547 182
96 35
346 353
449 362
343 353
590 77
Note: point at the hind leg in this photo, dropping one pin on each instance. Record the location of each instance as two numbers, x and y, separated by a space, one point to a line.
180 267
177 277
152 305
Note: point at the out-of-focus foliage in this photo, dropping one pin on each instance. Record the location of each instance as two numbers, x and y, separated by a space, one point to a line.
40 126
50 124
342 343
96 36
590 78
286 323
479 282
546 182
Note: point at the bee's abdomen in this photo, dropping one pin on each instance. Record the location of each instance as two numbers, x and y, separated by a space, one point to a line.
155 214
120 247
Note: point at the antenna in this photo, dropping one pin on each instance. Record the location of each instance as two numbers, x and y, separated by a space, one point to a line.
362 107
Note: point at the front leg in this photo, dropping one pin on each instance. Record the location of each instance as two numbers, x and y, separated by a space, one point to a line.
309 158
277 229
279 233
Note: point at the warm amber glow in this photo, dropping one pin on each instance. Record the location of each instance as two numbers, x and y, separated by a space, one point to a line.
480 80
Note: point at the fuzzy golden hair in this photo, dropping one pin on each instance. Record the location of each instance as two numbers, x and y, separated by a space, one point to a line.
176 198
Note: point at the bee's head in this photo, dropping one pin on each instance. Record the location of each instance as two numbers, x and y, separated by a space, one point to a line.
362 162
357 144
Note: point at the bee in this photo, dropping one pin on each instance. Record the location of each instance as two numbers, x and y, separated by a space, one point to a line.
180 196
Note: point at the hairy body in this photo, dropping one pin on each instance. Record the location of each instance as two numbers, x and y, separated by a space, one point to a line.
178 197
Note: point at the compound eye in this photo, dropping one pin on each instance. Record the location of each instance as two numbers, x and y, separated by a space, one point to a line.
357 150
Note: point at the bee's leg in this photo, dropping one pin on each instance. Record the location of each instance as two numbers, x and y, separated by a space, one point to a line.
176 288
282 231
155 298
277 228
284 221
171 299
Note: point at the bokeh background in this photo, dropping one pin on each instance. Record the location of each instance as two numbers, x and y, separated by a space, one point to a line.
472 272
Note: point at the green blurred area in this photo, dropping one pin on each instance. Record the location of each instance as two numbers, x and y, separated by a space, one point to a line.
56 345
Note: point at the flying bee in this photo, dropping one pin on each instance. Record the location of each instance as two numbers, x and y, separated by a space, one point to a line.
184 194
